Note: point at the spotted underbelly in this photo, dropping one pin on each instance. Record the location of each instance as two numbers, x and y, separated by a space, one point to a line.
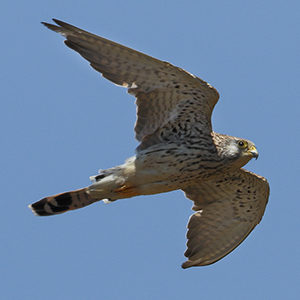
182 164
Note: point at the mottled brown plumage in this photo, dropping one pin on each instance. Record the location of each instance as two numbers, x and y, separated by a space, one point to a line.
178 150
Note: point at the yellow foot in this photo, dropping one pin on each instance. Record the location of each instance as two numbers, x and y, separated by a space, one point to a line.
127 191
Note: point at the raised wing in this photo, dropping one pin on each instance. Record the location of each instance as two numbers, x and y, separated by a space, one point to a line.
228 209
166 95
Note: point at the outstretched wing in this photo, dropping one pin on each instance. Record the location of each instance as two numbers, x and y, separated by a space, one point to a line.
228 209
167 96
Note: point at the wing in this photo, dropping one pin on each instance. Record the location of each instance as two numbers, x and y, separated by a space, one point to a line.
228 209
167 96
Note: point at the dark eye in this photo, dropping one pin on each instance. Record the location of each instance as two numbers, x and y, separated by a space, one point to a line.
242 144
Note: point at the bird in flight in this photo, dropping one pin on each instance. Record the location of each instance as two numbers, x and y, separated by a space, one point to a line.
178 150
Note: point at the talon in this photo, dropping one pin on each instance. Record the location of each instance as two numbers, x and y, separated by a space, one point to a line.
126 191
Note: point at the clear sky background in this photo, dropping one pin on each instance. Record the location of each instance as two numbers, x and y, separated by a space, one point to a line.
61 122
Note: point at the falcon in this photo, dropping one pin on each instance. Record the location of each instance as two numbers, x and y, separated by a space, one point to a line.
178 150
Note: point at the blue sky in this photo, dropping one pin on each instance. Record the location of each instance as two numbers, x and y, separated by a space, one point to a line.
61 122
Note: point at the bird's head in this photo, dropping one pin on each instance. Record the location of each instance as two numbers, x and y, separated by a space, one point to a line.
235 150
240 151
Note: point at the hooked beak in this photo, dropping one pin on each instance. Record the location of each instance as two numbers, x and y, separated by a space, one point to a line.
253 151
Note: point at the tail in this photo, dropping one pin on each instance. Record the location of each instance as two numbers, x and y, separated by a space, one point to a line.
61 203
109 185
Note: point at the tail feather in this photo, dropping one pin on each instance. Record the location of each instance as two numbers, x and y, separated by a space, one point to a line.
61 203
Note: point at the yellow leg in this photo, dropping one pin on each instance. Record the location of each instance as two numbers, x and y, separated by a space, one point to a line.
127 191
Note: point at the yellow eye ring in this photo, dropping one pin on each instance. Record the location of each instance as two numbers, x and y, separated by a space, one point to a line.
242 144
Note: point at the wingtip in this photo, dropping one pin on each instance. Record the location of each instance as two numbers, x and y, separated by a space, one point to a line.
54 20
183 266
61 27
50 26
46 24
186 265
197 263
58 22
